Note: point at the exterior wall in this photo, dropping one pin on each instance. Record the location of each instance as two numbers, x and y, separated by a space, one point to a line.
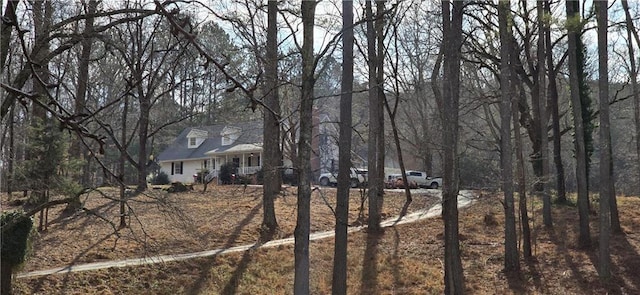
189 168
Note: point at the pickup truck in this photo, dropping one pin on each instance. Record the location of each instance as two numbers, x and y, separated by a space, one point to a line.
423 180
358 178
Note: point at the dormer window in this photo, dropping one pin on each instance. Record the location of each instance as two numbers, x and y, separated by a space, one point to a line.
195 138
230 135
226 140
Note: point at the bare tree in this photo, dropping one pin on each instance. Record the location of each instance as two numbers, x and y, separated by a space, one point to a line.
542 118
573 31
522 180
393 112
511 257
9 20
272 154
339 282
452 14
376 117
77 149
303 225
552 101
606 179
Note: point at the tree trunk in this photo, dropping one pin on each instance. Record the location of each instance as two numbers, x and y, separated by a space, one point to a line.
271 129
301 233
6 274
339 283
42 11
12 152
522 181
143 131
604 259
632 34
511 256
374 194
9 20
403 171
584 239
555 117
544 137
77 149
121 161
452 40
381 98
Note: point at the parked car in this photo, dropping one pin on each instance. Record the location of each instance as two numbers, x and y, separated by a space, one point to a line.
396 181
423 180
358 178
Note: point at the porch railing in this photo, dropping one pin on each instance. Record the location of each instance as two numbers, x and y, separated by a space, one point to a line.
241 171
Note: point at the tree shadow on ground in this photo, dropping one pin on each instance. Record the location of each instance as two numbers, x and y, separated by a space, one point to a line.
397 277
369 283
559 236
67 279
232 285
625 262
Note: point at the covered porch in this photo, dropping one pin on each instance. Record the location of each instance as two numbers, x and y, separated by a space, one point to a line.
246 157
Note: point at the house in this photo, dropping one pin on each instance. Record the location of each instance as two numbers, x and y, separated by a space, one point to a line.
326 145
207 148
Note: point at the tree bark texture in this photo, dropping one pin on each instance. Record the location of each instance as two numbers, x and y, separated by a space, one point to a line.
522 180
584 239
452 39
301 233
542 119
374 192
339 282
511 255
555 116
271 129
604 259
9 20
121 162
77 148
6 274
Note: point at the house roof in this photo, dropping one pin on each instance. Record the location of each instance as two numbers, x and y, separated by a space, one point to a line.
250 139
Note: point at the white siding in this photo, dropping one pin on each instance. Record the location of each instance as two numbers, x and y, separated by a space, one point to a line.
189 168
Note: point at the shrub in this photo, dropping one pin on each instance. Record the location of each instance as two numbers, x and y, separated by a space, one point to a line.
200 176
15 245
260 177
160 179
15 239
226 171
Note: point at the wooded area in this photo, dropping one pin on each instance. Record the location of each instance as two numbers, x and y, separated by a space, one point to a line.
536 100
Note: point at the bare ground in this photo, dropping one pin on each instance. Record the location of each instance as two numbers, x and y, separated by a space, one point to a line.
406 259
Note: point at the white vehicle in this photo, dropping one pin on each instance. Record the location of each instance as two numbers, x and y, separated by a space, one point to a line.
423 180
358 178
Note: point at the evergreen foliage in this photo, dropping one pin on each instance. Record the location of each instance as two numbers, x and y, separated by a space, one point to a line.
587 102
15 239
45 165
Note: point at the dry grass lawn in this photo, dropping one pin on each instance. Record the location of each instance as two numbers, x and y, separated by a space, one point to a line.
405 259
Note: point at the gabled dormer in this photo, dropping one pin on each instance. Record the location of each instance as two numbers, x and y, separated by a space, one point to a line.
196 137
229 135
